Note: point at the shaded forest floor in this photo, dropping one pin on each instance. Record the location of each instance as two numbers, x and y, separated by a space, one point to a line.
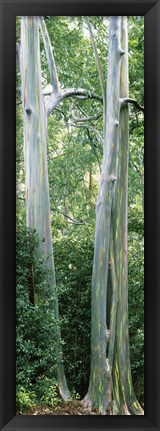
73 407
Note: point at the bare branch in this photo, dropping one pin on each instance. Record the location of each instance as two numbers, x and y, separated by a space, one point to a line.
99 67
80 109
99 137
93 148
21 199
82 119
63 113
134 102
70 92
56 95
53 101
50 58
72 220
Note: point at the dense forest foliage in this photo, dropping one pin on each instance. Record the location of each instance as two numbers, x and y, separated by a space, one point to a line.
75 155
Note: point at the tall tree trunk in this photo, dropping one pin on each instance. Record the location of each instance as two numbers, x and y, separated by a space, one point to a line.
110 389
97 394
121 372
36 169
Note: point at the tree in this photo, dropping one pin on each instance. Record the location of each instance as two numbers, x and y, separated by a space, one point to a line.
110 386
110 376
36 169
36 111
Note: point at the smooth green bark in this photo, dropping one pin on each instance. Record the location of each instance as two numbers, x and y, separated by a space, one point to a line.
35 156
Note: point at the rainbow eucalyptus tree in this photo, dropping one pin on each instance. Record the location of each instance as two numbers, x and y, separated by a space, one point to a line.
35 156
120 361
110 388
37 106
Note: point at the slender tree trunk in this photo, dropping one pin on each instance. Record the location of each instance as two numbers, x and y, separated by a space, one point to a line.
123 392
35 154
118 361
121 372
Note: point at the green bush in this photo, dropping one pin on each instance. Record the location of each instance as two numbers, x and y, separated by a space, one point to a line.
136 311
24 400
47 392
35 323
73 261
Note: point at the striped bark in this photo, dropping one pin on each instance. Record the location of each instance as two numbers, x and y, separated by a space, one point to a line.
97 394
35 157
110 389
121 371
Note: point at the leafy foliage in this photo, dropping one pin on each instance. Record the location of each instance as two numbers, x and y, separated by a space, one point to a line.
35 323
74 272
136 305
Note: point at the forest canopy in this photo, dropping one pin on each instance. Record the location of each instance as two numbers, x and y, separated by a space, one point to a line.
80 218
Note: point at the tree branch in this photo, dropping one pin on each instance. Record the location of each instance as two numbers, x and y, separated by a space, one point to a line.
19 197
80 109
56 95
72 220
134 102
99 137
50 58
81 92
93 148
79 119
63 114
100 72
55 99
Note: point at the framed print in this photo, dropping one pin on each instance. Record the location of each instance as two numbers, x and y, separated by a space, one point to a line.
56 190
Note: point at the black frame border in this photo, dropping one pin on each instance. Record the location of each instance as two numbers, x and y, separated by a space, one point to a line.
151 11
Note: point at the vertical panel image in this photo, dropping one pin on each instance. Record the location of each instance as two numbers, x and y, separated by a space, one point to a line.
80 215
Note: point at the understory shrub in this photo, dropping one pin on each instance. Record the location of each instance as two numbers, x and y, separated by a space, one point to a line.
73 262
35 325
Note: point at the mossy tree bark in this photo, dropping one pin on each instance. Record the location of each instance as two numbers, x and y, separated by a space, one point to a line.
35 156
110 389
